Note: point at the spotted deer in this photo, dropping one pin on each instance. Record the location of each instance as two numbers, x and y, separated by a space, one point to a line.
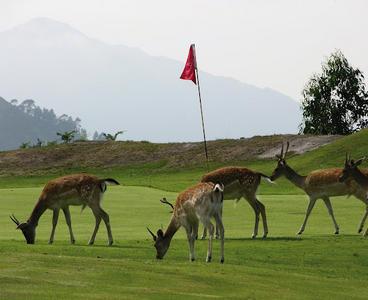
60 193
319 184
241 183
197 203
351 170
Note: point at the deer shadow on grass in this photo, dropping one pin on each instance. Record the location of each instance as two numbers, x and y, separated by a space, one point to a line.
268 239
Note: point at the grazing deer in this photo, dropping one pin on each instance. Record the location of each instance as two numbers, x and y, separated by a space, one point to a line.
198 203
238 183
351 170
319 184
78 189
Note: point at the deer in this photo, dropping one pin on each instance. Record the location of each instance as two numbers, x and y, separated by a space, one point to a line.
351 170
318 184
240 182
60 193
198 203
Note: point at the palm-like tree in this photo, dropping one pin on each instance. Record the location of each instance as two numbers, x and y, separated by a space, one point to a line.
66 136
110 137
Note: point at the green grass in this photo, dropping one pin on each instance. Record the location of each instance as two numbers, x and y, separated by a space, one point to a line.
319 265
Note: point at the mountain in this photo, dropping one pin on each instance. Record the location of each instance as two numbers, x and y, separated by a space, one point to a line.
28 123
117 87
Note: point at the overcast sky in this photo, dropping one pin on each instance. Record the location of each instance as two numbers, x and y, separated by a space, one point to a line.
276 44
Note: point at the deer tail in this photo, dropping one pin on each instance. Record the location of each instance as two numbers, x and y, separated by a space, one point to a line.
267 178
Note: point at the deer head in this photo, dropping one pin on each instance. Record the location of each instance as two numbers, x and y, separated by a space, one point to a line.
161 244
281 163
350 167
28 230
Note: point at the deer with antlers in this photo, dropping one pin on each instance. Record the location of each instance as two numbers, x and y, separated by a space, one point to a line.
60 193
241 183
319 184
198 203
351 170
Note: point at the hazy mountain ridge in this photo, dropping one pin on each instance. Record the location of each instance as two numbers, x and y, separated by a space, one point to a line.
118 87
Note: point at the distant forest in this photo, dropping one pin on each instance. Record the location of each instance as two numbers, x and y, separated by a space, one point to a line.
25 122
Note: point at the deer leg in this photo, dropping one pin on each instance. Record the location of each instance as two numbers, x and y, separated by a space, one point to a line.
204 234
217 235
55 217
312 201
195 230
262 210
362 222
98 218
327 202
220 225
69 223
106 219
189 231
252 202
211 230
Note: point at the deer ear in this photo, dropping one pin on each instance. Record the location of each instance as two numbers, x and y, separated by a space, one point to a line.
22 226
160 233
359 161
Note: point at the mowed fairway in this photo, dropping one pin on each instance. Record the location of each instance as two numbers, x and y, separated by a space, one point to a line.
319 265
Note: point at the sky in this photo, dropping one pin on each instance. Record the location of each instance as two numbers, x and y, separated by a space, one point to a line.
277 43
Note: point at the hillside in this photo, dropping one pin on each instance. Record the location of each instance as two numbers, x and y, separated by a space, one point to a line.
165 157
26 122
170 166
115 88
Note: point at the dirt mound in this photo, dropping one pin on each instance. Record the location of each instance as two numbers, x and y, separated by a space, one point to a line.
93 154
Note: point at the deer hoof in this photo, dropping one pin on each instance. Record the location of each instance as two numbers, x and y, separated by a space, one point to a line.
254 236
203 237
208 259
50 242
337 232
110 243
360 230
222 260
90 243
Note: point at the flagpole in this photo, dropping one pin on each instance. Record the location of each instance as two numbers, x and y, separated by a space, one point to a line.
200 104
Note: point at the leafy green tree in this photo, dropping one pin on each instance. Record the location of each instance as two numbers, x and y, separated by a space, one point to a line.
110 137
66 136
335 101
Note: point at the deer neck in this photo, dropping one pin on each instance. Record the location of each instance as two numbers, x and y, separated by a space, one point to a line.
37 212
171 229
294 177
360 178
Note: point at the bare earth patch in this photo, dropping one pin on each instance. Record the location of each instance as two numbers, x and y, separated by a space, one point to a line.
97 154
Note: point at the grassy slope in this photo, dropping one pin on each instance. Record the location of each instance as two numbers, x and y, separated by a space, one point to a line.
175 178
317 266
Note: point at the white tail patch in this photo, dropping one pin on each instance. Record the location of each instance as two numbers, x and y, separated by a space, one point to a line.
219 187
269 180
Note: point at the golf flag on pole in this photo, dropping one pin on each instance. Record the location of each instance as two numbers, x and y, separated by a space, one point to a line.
189 72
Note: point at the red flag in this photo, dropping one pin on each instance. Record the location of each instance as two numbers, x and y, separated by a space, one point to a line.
190 66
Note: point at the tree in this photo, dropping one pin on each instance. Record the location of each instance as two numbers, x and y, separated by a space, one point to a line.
110 137
335 101
66 136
